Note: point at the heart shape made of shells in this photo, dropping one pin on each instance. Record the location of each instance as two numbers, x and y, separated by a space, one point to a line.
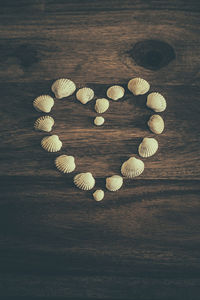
132 167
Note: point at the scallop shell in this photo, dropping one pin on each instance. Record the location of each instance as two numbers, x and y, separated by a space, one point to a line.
85 95
63 88
43 103
65 163
101 105
98 195
148 147
98 121
84 181
115 92
156 102
114 183
133 167
138 86
44 123
156 124
51 143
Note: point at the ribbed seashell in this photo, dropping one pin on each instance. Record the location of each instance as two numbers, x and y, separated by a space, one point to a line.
63 88
138 86
101 105
148 147
43 103
156 102
44 123
65 163
98 121
114 183
156 124
84 181
115 92
98 195
85 95
51 143
132 167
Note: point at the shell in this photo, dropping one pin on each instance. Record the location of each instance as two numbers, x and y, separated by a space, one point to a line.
51 143
114 183
156 124
44 123
138 86
148 147
84 181
85 95
132 167
43 103
98 195
63 88
115 92
65 163
101 105
156 102
98 121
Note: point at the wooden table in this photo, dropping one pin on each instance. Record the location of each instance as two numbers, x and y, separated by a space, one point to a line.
141 242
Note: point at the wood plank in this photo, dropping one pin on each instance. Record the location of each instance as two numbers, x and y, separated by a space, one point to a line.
97 48
94 287
88 6
100 150
140 239
61 189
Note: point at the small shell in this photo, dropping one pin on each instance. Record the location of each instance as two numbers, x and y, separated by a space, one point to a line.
148 147
138 86
156 124
101 105
65 163
98 195
51 143
44 123
114 183
84 181
63 88
156 102
43 103
133 167
85 95
98 121
115 92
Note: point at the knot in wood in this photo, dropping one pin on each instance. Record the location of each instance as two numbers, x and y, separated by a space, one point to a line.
152 54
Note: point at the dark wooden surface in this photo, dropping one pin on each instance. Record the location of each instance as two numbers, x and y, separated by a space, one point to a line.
141 242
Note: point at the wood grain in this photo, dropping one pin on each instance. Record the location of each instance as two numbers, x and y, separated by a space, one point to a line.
141 242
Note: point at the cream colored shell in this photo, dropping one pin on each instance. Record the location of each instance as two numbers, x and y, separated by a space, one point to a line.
156 102
156 124
115 92
101 105
65 163
133 167
43 103
98 195
98 121
148 147
63 88
51 143
138 86
85 95
84 181
44 123
114 183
